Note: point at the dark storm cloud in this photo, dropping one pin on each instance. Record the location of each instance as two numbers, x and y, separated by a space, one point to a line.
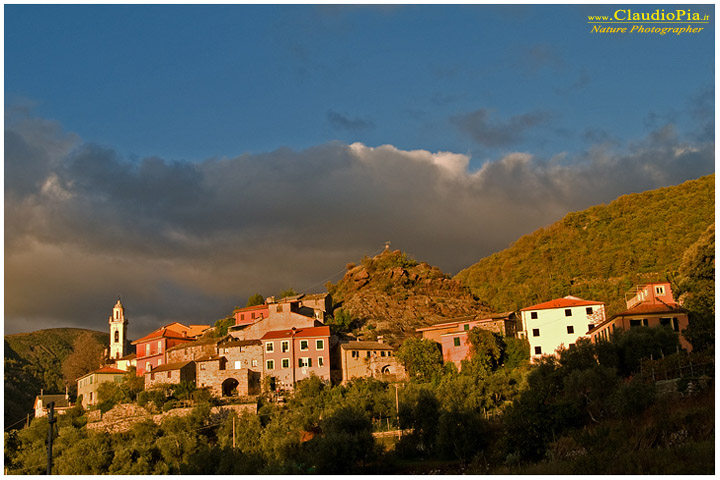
189 241
344 122
491 132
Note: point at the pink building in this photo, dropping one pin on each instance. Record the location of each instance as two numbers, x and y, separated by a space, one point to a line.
294 354
248 315
452 336
648 305
151 350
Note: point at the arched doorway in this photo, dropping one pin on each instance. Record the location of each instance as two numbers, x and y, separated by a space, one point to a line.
386 370
228 387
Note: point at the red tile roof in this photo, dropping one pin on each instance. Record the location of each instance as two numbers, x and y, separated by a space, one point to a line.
162 332
299 333
648 308
565 302
105 369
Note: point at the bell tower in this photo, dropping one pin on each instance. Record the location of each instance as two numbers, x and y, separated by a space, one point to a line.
118 331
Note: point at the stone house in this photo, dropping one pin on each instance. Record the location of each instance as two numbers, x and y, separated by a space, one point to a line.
369 359
223 379
284 314
170 373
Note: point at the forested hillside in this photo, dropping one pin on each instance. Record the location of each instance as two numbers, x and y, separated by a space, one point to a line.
600 252
33 361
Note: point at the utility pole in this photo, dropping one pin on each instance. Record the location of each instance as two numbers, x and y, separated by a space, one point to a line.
397 409
233 432
51 421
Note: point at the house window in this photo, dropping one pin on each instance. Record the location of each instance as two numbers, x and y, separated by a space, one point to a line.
533 315
270 364
147 349
321 362
285 363
536 332
570 329
202 366
147 367
319 344
589 310
117 336
159 345
660 290
590 326
382 353
635 323
538 350
169 374
367 354
285 346
238 364
664 321
676 325
269 347
305 362
254 363
252 316
355 354
645 322
466 326
568 312
456 341
303 345
152 376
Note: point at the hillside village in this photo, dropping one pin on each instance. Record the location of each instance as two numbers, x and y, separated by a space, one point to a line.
274 345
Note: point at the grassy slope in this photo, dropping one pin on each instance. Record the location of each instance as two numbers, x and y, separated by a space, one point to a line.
33 361
600 252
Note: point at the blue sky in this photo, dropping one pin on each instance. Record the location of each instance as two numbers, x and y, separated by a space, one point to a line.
401 123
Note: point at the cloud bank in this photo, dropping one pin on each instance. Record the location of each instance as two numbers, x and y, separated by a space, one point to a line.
189 241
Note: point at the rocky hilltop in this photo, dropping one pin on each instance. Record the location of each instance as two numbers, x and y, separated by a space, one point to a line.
391 295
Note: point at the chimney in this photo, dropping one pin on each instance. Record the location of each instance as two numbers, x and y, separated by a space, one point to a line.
380 339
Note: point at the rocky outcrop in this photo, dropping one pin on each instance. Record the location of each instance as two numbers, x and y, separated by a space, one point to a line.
392 295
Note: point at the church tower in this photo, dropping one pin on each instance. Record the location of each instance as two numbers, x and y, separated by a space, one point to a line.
118 331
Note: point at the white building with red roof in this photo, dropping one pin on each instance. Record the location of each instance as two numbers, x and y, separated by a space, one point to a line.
296 353
558 323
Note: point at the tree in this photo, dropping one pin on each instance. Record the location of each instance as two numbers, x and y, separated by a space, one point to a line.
421 357
289 292
255 300
222 325
87 355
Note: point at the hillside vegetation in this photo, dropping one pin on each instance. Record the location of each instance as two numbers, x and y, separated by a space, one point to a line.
33 361
598 253
391 294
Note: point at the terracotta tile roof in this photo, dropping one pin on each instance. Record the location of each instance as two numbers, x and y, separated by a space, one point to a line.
130 356
169 366
564 302
365 345
162 332
208 358
648 308
299 333
250 309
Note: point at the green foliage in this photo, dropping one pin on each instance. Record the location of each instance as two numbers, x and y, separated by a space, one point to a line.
255 300
222 325
288 292
341 321
696 286
422 358
600 252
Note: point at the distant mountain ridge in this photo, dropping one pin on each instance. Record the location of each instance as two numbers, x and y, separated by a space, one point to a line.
600 252
33 361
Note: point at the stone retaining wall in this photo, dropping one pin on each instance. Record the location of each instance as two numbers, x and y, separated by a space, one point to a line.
122 418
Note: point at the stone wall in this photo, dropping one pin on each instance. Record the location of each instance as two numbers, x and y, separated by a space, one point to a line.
190 351
213 377
123 417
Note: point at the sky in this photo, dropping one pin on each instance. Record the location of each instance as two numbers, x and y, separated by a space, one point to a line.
185 157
